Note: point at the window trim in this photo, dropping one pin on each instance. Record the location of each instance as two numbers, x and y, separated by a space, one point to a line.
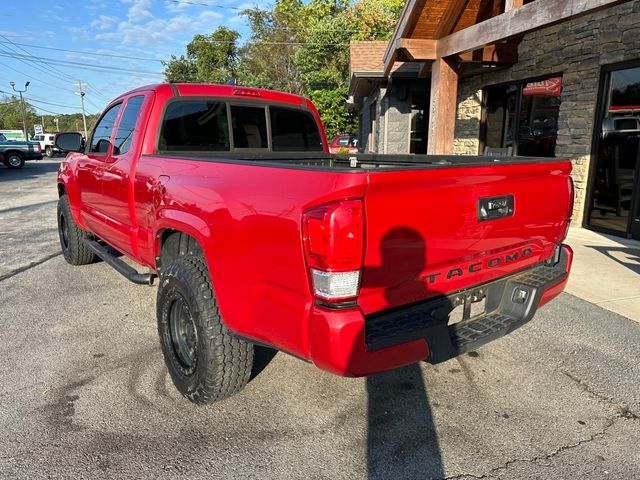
520 83
106 154
234 102
125 102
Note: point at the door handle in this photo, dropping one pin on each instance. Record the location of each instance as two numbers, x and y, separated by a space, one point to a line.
492 208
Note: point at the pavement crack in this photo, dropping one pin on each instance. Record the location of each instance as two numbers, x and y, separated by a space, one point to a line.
584 386
15 272
548 456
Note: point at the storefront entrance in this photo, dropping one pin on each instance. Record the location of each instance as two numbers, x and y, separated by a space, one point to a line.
615 188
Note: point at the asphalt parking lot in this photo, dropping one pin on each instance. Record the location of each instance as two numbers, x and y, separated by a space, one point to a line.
84 392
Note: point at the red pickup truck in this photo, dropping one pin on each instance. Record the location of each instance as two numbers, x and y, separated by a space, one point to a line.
259 236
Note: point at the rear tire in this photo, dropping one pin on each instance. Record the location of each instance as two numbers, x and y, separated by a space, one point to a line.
205 361
48 151
73 248
14 160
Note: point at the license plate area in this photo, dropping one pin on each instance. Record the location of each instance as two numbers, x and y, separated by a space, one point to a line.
468 306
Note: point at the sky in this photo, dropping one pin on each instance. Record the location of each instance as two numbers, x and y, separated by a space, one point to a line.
110 45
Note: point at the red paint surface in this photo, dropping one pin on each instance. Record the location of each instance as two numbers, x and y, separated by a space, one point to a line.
248 220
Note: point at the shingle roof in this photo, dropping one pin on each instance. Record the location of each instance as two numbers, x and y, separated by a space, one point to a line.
367 56
366 60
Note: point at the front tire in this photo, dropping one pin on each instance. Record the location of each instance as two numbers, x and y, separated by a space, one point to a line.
73 248
205 361
14 160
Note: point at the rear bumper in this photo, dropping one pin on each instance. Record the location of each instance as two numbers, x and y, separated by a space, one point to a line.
347 343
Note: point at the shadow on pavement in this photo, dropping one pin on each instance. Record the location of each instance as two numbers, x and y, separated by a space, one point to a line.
402 439
633 253
31 169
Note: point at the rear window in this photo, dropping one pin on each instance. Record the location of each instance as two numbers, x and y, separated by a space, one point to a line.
249 127
627 124
347 142
294 131
195 125
203 125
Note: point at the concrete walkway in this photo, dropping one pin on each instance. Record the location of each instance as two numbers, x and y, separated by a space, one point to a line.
606 271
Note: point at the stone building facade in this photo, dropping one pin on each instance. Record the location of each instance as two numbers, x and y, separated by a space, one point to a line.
580 51
577 50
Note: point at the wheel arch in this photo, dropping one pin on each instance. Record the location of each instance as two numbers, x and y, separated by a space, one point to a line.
173 243
6 153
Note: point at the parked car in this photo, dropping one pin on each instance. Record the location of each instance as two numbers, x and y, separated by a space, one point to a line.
259 236
13 153
344 144
47 143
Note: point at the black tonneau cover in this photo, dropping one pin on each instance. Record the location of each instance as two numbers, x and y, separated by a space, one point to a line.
351 163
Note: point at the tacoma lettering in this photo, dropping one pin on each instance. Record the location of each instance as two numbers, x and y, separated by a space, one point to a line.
493 262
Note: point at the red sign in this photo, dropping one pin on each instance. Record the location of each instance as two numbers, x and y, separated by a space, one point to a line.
551 87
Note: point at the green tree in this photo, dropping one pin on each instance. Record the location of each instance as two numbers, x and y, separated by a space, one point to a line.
268 58
180 70
298 47
210 58
10 113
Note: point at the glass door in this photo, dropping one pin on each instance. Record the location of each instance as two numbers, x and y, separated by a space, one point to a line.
615 193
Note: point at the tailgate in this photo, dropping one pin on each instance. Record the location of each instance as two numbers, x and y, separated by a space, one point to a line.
432 232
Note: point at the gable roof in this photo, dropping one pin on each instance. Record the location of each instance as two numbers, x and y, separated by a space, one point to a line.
366 63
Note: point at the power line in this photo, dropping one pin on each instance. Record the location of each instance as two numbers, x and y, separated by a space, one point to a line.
101 67
44 69
94 54
202 4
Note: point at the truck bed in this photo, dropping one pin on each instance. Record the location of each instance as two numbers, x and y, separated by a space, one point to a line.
346 163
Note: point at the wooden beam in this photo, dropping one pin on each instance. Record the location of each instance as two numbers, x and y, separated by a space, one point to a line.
408 19
530 17
450 17
496 53
425 69
418 50
442 108
511 4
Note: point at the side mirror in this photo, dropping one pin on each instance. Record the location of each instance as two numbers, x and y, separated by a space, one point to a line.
69 142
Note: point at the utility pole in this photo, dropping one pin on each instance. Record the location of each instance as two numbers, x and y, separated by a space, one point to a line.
43 129
57 127
24 113
84 117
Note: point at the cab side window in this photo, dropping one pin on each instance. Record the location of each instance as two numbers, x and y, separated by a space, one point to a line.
127 125
101 139
294 131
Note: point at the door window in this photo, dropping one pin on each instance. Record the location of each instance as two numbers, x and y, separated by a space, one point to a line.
419 122
615 200
101 140
127 125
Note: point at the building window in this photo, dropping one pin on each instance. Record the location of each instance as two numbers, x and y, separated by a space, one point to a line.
523 117
418 137
371 144
615 187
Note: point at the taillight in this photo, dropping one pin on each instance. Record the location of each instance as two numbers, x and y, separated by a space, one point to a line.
572 194
572 190
39 147
334 249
